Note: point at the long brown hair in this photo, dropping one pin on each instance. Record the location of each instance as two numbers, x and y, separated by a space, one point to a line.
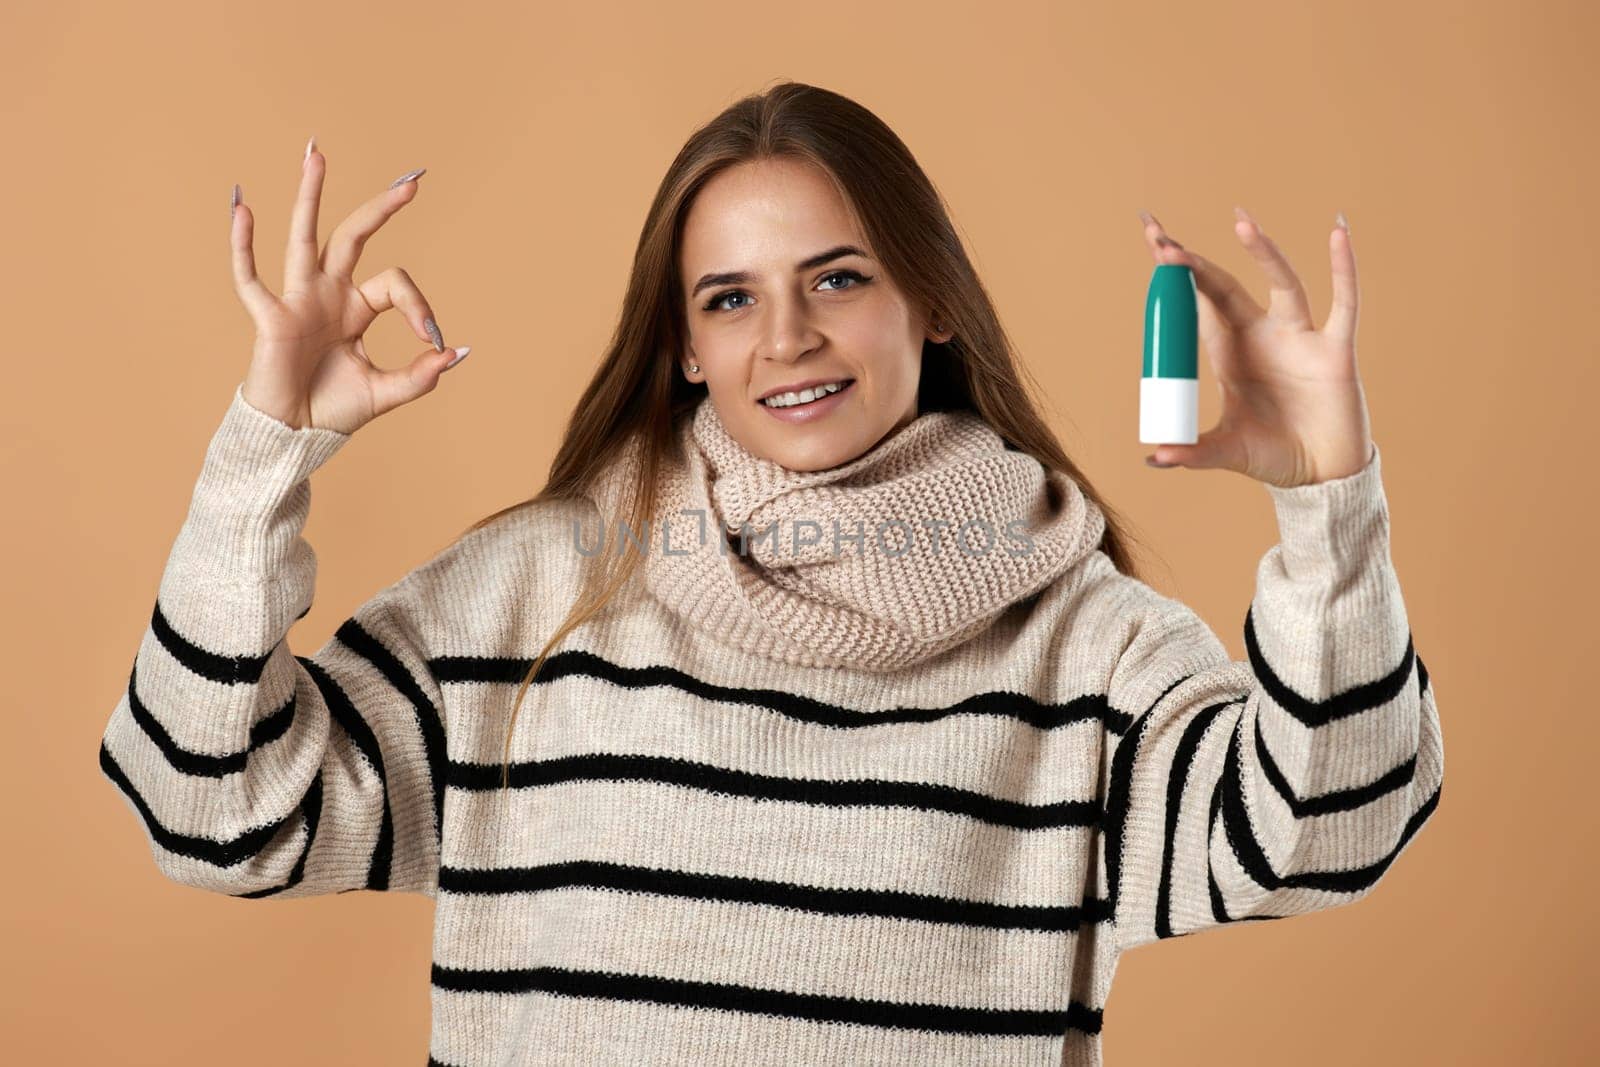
637 394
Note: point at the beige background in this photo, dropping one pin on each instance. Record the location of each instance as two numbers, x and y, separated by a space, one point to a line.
1458 139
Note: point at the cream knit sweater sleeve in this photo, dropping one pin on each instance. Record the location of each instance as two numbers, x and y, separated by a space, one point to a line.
1292 780
254 771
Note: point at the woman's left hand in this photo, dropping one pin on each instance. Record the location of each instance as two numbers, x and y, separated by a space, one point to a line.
1293 412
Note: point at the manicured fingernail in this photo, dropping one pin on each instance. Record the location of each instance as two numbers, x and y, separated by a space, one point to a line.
1244 216
234 206
461 354
1163 239
1343 222
1146 218
433 334
1152 461
310 144
409 176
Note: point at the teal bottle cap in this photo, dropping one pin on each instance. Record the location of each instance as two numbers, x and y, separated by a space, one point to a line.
1171 324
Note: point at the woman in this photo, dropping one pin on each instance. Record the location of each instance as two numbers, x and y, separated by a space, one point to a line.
888 769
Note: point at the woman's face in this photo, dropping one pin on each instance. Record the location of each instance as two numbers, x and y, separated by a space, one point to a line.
782 290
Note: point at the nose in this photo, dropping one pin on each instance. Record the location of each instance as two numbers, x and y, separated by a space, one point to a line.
790 334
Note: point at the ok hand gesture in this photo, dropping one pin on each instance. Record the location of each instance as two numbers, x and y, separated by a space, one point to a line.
1293 411
310 366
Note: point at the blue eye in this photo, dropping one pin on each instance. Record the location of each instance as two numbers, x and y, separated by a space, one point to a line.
846 274
720 297
715 303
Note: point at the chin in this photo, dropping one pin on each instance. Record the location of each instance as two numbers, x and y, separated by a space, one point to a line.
840 437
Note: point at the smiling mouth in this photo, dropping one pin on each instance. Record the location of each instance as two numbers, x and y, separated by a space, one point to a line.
785 401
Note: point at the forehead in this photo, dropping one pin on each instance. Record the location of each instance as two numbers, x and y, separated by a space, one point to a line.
775 210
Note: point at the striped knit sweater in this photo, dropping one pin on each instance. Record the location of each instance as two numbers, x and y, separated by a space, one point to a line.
712 857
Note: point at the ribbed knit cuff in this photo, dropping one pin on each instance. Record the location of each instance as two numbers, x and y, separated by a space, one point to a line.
1328 529
244 500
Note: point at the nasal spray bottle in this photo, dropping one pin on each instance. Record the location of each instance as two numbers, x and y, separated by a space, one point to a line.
1169 386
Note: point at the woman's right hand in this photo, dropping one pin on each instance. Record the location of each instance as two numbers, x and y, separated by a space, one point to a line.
309 367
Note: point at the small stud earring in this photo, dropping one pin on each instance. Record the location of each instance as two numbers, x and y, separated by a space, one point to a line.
694 368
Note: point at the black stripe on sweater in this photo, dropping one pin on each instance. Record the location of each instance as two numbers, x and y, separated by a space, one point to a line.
201 764
1236 822
1182 760
358 640
851 792
1334 800
1241 835
429 719
1229 803
234 669
312 815
1219 910
229 670
223 854
719 996
505 670
1338 799
1119 791
892 904
1314 713
262 732
449 670
217 853
366 742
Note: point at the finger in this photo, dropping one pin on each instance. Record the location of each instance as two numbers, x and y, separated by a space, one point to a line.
1233 302
1214 327
1287 301
1212 450
394 289
391 388
300 258
350 236
1341 324
253 293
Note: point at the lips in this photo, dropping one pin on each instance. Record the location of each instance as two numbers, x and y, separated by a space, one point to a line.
800 387
811 410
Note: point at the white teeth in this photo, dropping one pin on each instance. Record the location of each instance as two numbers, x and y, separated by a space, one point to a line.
804 396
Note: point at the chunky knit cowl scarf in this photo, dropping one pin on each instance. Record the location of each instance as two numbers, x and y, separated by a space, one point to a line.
904 552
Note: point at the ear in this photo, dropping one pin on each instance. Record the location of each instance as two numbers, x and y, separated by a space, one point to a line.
937 330
686 361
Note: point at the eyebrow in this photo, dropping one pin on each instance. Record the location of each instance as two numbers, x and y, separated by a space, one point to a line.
739 276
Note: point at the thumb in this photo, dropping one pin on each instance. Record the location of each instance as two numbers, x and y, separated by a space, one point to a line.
1210 450
392 388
